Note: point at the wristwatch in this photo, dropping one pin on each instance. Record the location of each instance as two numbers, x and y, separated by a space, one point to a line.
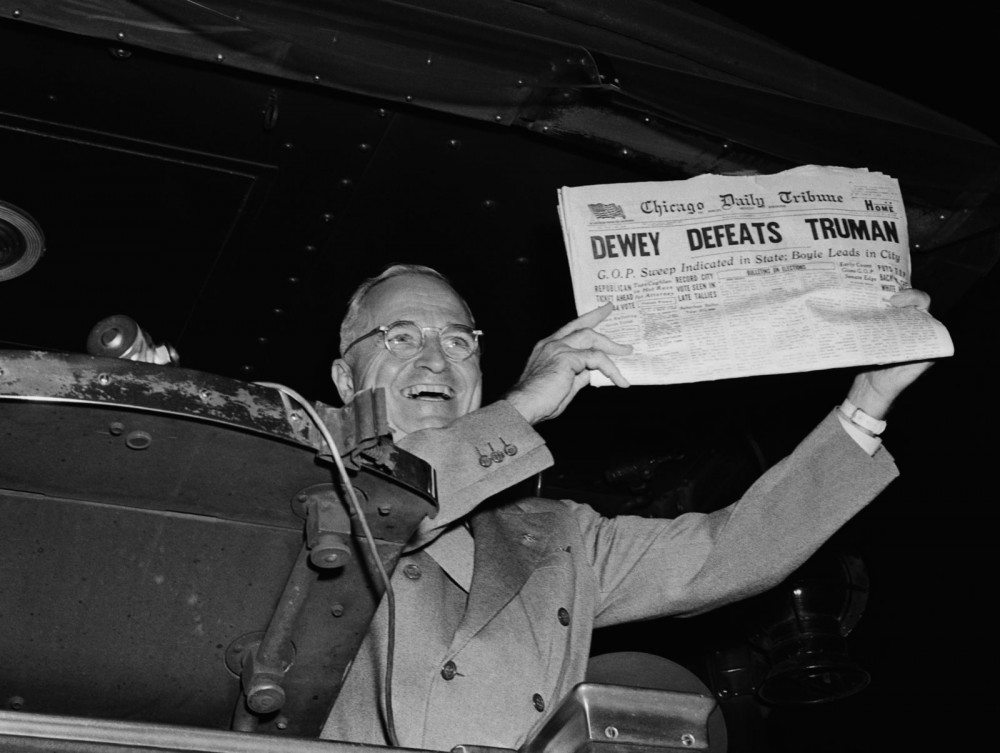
868 424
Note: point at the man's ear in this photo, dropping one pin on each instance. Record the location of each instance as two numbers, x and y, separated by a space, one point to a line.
343 379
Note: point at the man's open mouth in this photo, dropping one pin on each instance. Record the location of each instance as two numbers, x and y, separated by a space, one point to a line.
429 392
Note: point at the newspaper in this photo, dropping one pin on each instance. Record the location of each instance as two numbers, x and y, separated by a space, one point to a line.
718 276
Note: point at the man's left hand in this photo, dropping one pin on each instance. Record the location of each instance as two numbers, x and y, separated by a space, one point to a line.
874 391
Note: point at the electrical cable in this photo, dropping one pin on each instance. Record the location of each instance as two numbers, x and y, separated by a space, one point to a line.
390 596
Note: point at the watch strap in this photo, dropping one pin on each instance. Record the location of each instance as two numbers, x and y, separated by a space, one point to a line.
868 424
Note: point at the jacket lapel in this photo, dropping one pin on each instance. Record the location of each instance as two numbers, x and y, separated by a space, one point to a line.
508 545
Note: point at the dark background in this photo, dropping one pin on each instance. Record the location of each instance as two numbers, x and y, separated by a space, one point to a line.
166 195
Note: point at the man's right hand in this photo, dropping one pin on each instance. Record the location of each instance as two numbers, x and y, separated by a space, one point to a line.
560 366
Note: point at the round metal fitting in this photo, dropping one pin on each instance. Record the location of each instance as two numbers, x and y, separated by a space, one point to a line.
138 440
611 732
265 696
22 241
687 740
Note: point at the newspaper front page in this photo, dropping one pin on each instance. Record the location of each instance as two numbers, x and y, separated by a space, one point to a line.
718 277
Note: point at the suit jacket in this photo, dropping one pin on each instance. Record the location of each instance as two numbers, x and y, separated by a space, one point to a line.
487 668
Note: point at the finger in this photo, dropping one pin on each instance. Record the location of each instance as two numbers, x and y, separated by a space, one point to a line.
585 321
588 339
911 297
596 360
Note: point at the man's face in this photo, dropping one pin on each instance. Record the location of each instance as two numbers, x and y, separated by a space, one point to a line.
427 390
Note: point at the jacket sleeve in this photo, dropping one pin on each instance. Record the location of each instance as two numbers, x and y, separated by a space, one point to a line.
648 568
477 456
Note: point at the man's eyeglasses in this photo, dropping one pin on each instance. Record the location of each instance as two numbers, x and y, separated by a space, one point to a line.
405 339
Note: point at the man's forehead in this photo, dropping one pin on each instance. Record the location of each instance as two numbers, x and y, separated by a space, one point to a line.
415 296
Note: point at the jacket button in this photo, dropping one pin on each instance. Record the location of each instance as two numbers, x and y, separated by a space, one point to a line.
448 670
563 614
538 702
412 571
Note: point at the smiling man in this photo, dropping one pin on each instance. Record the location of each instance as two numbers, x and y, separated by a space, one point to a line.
495 603
409 332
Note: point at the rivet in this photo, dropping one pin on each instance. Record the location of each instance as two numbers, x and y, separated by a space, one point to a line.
327 216
309 248
337 610
220 57
288 145
247 368
138 440
17 14
203 395
316 79
262 340
15 702
489 204
346 182
293 280
384 509
381 112
429 60
281 722
611 732
498 118
545 129
687 739
364 147
520 82
278 311
103 379
408 97
120 35
625 152
454 143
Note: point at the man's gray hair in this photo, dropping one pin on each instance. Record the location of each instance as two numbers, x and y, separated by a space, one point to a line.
353 322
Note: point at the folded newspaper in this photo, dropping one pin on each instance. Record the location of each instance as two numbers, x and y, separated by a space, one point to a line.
722 276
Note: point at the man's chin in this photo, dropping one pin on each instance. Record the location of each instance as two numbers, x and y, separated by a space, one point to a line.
431 416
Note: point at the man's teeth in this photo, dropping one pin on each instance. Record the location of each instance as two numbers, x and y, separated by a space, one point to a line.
429 392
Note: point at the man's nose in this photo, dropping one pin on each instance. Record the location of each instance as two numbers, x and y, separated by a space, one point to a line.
432 356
